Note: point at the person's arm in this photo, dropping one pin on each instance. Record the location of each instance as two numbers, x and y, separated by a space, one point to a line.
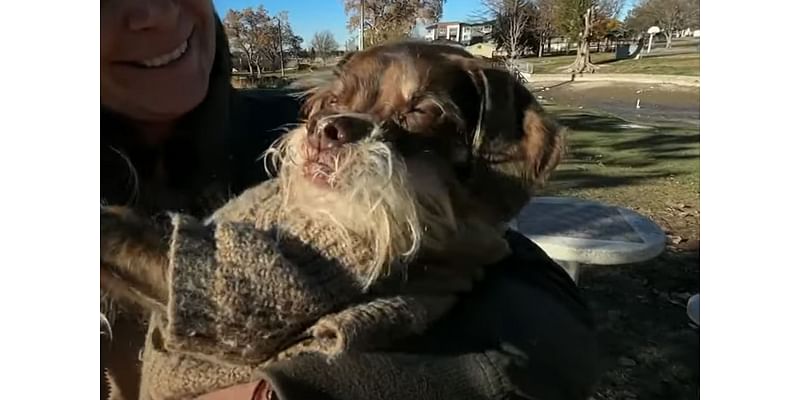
227 290
524 333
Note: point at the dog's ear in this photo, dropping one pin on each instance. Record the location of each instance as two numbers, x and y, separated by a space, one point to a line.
313 97
514 128
342 62
515 144
312 102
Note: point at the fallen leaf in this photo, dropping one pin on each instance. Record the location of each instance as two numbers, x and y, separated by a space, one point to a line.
677 239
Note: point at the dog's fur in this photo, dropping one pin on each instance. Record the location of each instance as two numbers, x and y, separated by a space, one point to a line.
432 153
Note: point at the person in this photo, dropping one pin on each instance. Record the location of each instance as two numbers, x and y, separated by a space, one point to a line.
176 136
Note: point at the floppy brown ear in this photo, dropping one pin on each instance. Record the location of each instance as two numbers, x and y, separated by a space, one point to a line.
313 97
518 144
515 129
345 59
312 101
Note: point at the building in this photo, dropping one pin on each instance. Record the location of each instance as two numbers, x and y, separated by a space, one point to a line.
484 49
459 32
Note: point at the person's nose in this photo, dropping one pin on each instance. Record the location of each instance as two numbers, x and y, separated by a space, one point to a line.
151 14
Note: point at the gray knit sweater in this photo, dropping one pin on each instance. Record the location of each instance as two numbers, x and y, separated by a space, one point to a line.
240 298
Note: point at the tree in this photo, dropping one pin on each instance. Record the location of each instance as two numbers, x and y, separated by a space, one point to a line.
390 19
324 44
512 26
604 29
245 30
351 44
576 18
669 15
544 24
261 39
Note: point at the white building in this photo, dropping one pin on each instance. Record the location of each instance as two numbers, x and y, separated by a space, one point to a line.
459 32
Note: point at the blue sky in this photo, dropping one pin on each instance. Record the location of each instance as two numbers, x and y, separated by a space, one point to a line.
309 16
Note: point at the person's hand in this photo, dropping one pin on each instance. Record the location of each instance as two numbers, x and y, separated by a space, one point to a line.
133 258
260 390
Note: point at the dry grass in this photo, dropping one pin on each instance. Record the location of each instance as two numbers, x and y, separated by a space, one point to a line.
687 63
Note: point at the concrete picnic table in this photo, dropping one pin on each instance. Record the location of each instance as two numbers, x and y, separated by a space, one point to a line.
576 232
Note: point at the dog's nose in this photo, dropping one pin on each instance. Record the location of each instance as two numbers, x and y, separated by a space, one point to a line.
337 131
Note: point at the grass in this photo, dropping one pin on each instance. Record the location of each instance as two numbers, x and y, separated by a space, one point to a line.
654 170
640 309
656 64
676 64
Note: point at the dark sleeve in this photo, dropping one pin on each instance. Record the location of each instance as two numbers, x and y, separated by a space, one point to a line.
385 376
520 335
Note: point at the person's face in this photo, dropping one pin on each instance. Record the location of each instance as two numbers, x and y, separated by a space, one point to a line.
155 56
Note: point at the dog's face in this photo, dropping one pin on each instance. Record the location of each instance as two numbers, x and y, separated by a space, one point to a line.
428 137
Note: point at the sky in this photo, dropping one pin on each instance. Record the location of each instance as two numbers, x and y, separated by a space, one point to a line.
310 16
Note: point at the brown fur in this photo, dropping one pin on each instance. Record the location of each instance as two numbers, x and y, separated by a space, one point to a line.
461 145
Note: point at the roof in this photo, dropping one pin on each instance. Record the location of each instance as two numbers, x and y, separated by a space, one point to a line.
459 23
443 23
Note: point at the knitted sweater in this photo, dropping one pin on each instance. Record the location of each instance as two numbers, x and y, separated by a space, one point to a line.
245 293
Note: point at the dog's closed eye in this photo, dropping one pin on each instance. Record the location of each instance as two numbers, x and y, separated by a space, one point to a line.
421 116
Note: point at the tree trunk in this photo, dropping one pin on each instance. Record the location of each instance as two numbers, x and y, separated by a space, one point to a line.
541 45
668 34
280 43
583 61
250 67
549 43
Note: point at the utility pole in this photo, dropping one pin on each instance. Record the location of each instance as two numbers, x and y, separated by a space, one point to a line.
280 46
361 36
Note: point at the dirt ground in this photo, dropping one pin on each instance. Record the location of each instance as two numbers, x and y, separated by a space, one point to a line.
646 159
650 349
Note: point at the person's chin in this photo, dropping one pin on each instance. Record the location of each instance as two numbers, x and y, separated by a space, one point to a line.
176 101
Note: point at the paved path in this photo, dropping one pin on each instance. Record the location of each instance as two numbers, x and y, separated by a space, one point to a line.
658 103
540 79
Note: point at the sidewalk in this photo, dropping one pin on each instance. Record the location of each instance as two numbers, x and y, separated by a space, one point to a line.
537 79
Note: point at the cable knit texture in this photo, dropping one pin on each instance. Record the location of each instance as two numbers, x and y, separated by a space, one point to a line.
245 293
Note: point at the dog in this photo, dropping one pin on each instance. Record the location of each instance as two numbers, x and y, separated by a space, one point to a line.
420 151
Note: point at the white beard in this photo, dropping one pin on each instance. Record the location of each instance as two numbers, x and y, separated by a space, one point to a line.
370 197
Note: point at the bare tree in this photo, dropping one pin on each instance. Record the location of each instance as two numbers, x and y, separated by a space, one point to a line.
282 41
669 15
386 20
246 30
512 26
324 44
576 18
351 44
260 38
545 22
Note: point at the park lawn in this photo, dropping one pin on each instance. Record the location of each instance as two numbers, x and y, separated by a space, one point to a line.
672 64
557 64
654 170
640 308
